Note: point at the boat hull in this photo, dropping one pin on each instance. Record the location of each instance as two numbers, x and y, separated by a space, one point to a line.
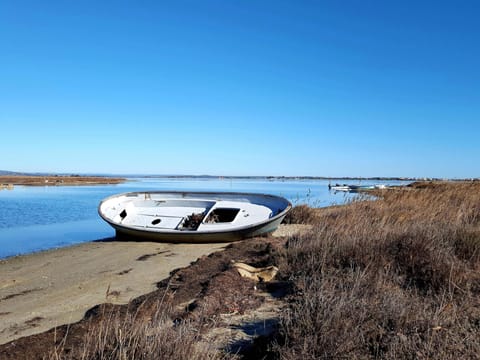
260 228
184 237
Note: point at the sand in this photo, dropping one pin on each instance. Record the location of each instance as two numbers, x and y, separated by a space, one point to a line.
47 289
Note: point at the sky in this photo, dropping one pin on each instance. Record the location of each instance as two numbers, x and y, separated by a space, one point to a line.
236 87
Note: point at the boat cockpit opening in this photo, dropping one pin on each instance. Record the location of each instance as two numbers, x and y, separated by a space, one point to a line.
192 222
222 215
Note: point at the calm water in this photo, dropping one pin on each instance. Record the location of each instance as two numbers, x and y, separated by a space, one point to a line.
39 218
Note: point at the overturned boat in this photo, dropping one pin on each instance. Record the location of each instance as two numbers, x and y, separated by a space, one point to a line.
193 216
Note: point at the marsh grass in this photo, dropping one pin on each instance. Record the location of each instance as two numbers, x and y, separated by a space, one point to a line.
129 335
300 214
393 278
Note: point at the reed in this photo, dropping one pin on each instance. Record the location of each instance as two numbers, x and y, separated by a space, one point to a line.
129 335
301 214
393 278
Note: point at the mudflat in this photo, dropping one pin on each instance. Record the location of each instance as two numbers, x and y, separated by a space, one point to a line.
51 288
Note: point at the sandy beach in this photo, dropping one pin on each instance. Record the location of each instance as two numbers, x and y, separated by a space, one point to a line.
51 288
44 290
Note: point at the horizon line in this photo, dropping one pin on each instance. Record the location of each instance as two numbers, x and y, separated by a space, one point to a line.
319 177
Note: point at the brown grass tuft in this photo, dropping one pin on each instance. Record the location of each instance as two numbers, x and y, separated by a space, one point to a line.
300 214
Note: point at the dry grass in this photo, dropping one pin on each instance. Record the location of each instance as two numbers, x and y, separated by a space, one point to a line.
301 214
394 278
126 335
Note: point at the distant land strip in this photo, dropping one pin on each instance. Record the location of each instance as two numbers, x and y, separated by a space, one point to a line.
57 180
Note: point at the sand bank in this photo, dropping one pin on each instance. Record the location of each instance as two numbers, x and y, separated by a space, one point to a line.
43 290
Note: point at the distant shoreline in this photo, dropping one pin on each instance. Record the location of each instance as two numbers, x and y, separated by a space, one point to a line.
347 178
57 180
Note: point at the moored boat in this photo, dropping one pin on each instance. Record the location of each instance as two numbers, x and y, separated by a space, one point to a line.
338 187
353 188
193 216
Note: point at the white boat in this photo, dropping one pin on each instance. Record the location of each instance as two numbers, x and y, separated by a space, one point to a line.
344 188
350 188
193 216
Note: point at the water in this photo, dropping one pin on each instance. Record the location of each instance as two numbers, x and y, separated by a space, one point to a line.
40 218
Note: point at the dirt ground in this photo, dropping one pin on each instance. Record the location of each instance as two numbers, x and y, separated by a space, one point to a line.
41 292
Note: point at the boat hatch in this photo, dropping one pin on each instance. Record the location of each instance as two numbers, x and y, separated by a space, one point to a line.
222 215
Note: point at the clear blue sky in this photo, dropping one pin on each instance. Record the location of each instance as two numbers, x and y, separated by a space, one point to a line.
337 88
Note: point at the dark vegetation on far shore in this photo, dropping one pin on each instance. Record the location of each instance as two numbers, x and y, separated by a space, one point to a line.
395 278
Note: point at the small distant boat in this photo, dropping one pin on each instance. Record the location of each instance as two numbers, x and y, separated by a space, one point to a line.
353 188
338 187
193 216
